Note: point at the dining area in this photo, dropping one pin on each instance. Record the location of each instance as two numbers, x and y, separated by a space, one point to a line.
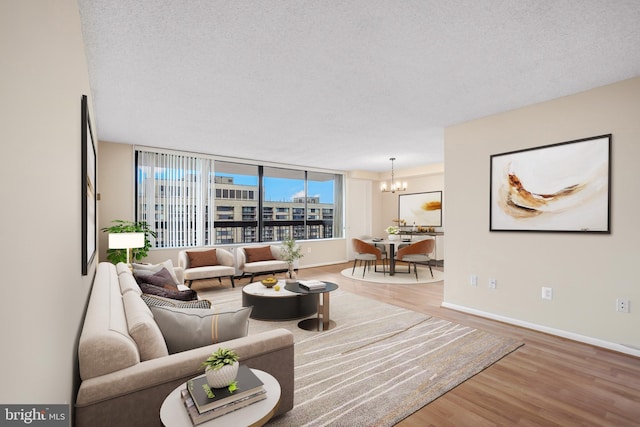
387 254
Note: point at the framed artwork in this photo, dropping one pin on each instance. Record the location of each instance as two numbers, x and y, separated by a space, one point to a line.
421 209
89 217
564 187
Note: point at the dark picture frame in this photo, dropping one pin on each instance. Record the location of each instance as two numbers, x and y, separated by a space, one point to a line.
88 185
563 187
421 209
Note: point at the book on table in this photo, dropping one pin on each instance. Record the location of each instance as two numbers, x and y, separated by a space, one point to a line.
312 285
198 418
206 398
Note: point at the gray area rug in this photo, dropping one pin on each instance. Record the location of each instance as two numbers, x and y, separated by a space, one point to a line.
379 364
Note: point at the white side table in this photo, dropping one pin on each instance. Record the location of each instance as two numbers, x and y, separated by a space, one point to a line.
174 414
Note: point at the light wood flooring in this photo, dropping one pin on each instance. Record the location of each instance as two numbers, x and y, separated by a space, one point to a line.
550 381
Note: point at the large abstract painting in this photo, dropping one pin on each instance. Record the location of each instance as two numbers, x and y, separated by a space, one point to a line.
424 209
562 187
88 188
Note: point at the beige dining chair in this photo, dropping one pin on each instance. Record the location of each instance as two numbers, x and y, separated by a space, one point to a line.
369 254
416 253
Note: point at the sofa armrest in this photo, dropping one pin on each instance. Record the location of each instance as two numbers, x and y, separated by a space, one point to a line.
104 400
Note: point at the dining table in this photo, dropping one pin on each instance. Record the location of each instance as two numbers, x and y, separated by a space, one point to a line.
391 244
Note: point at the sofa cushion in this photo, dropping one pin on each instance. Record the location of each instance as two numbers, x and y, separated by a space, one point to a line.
202 258
259 253
156 301
173 293
147 269
128 284
142 328
188 328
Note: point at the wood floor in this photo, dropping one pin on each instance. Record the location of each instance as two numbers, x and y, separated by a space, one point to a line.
550 381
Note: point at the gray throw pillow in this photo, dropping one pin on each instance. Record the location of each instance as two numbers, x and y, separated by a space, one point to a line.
187 328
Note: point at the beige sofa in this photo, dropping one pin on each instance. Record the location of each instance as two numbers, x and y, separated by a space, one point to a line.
125 383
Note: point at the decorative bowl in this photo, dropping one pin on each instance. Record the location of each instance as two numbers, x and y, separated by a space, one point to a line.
269 282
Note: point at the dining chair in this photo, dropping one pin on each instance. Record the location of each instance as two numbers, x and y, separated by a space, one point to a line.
369 254
416 253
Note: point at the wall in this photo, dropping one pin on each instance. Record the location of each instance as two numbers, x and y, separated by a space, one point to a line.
44 75
586 271
116 165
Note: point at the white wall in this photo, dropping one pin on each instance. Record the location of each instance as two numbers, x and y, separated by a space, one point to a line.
587 272
44 76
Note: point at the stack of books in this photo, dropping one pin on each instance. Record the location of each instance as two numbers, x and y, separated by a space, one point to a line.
312 285
201 407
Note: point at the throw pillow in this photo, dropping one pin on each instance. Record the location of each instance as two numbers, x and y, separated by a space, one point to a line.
162 278
202 258
157 301
187 328
260 253
186 295
141 269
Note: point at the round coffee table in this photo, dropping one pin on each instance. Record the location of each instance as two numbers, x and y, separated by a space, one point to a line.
269 304
321 322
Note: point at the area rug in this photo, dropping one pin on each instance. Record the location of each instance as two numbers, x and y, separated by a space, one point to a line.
379 364
424 276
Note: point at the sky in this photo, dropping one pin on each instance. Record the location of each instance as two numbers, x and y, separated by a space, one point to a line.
279 189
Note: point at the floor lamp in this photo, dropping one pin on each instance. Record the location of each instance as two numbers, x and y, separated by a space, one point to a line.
126 241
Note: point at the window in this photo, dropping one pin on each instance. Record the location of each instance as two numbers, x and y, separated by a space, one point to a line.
198 201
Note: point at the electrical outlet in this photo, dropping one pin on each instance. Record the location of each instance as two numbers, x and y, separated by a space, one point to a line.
493 283
309 250
473 280
547 293
622 305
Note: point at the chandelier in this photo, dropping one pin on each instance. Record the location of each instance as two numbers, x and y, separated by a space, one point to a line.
395 186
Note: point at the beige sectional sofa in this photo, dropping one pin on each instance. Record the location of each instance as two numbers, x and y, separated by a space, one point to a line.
126 372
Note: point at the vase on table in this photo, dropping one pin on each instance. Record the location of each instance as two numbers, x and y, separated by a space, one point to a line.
223 377
292 275
394 237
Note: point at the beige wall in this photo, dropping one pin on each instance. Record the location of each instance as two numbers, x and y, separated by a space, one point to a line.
116 202
44 75
117 186
586 271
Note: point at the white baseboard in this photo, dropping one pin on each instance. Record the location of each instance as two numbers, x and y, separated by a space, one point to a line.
622 348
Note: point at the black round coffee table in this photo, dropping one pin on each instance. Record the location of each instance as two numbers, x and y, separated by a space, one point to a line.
321 322
269 304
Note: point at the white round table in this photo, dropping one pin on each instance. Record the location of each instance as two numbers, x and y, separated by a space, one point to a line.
174 414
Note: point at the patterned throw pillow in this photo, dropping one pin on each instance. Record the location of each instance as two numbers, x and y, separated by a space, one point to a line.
156 301
202 258
187 328
259 253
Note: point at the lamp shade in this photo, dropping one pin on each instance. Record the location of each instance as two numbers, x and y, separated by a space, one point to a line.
126 240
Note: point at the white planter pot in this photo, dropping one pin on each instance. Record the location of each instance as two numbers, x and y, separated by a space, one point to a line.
220 378
394 237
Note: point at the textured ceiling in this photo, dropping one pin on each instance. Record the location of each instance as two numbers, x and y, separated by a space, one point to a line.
340 84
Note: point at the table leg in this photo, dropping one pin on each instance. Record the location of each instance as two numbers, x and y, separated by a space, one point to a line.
313 324
392 260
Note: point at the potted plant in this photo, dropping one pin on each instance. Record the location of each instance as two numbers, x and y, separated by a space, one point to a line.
121 226
221 368
393 232
290 253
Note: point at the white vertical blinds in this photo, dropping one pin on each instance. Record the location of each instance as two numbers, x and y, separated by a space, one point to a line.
173 194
